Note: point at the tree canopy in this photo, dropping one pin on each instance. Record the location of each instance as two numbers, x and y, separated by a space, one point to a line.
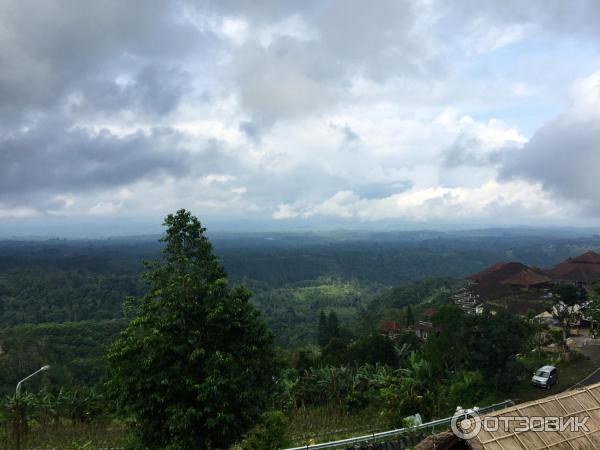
195 366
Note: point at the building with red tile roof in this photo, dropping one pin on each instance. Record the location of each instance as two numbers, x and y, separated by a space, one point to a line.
518 288
508 279
584 269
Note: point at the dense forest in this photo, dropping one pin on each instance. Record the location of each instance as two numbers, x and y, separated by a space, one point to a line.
362 277
61 280
323 296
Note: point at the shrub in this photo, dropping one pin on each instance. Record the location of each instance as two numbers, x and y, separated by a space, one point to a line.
268 435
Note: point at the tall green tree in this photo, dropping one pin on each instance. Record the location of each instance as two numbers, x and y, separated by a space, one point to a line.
567 299
593 308
329 328
195 366
445 348
373 349
333 325
323 335
486 343
410 318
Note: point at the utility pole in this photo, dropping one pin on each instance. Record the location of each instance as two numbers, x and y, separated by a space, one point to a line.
18 416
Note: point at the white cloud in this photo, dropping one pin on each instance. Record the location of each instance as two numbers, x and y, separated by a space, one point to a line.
235 29
585 96
417 110
17 213
484 36
293 26
564 154
495 202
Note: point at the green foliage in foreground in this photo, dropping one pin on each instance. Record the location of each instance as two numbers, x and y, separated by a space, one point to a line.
57 419
195 366
466 359
269 434
594 305
76 405
486 343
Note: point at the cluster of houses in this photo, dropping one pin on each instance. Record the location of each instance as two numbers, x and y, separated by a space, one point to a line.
524 290
514 287
422 327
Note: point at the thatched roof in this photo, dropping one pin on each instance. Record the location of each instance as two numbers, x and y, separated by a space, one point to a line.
584 402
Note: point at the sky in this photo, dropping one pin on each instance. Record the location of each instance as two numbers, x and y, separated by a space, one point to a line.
406 113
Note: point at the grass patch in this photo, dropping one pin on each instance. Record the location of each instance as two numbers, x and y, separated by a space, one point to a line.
86 436
321 424
569 373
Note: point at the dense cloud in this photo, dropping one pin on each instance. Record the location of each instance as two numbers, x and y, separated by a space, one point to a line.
415 110
564 154
152 92
52 49
51 158
308 60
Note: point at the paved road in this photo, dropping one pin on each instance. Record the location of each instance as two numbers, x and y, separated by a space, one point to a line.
592 378
591 349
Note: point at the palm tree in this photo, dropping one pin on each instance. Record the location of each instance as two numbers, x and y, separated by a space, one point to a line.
417 375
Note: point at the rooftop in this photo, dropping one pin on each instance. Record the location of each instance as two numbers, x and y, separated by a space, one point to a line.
512 274
581 403
587 258
584 268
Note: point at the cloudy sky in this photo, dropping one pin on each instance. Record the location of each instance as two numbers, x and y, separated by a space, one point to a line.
409 112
